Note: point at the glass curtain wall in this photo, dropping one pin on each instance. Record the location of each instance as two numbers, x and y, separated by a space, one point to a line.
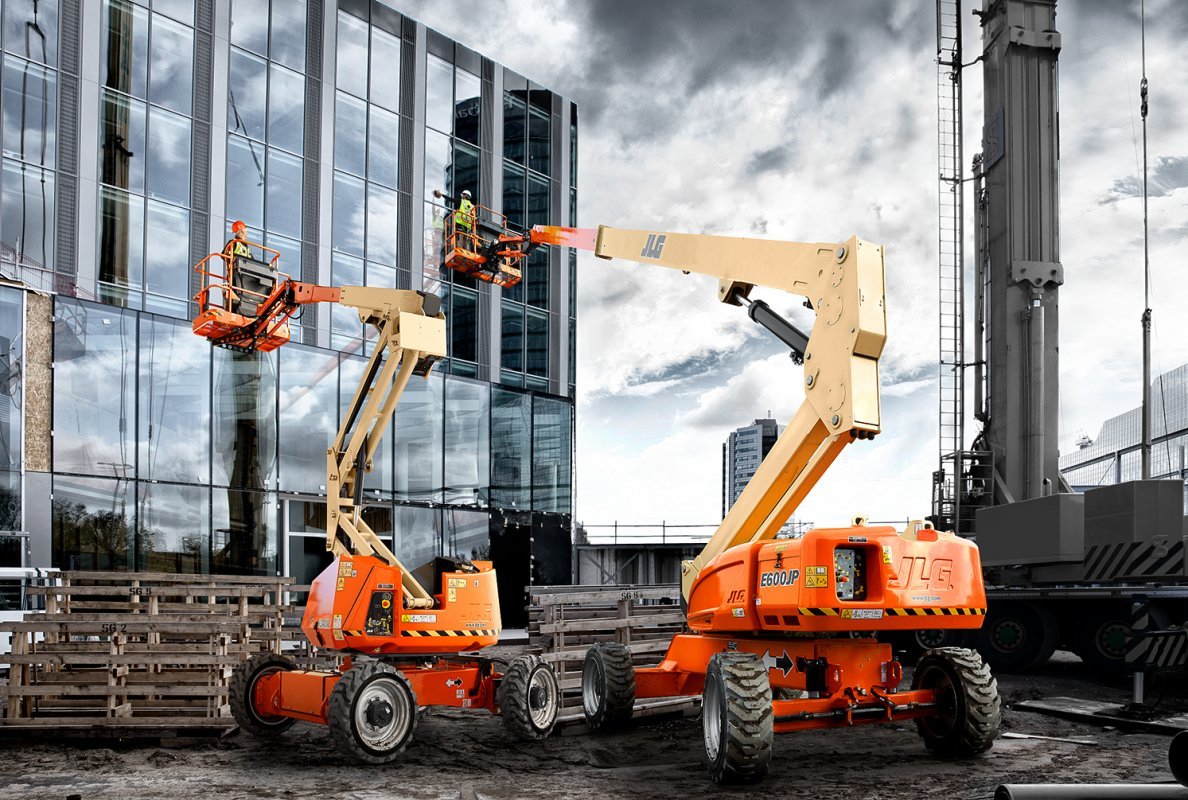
12 346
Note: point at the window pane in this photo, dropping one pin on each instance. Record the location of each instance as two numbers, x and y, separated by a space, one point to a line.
124 153
351 71
121 238
513 337
537 278
180 10
174 528
381 224
286 108
463 319
245 389
514 124
538 201
439 95
419 444
26 15
467 534
125 48
552 445
27 209
284 193
437 165
539 144
288 33
538 344
383 144
12 327
245 181
380 276
348 214
166 265
573 155
172 65
418 535
30 112
513 195
433 241
249 24
466 172
174 405
243 539
467 106
467 441
92 524
385 69
511 449
345 326
308 416
350 134
94 389
247 94
168 157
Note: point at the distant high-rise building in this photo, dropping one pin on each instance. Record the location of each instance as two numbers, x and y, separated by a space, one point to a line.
741 455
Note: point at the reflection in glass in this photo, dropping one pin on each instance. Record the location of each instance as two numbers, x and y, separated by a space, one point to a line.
466 171
439 94
172 65
552 449
380 276
345 327
168 156
351 71
537 361
539 145
245 391
125 48
348 221
180 10
381 224
11 549
245 181
121 238
350 134
31 29
417 539
247 94
30 112
512 348
166 266
433 242
249 24
511 449
383 143
27 211
536 276
12 327
514 127
244 533
467 441
538 201
308 409
284 193
124 155
173 532
467 534
92 523
307 557
467 106
419 441
437 165
286 108
174 405
463 324
385 69
288 33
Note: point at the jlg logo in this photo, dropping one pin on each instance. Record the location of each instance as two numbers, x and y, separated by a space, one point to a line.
737 596
654 246
918 572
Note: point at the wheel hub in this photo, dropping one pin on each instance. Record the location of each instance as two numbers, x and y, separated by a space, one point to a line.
379 713
537 697
1009 635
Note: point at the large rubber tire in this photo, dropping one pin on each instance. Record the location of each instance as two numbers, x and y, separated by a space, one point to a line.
910 645
529 698
969 712
372 713
608 687
1017 636
1099 638
243 685
736 718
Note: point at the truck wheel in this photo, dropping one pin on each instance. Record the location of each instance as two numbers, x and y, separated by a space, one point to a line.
736 718
242 688
372 713
1100 640
969 710
608 686
1018 636
529 697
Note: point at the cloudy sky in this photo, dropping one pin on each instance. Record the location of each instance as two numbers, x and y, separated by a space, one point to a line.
814 121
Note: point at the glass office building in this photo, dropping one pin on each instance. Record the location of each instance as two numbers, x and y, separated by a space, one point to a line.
134 133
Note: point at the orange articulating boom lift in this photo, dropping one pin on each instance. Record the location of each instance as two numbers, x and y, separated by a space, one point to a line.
784 630
406 646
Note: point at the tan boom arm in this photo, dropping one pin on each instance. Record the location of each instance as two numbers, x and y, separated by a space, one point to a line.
844 285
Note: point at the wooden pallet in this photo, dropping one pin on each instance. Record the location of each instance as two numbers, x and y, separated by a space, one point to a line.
563 621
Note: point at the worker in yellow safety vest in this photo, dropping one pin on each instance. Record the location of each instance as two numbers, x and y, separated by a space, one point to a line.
464 216
238 245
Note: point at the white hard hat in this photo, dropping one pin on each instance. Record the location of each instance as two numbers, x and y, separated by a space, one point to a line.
466 193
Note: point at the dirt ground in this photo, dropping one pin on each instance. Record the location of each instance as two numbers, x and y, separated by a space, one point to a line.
467 756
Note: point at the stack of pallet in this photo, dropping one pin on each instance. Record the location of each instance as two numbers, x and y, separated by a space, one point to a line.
122 653
563 621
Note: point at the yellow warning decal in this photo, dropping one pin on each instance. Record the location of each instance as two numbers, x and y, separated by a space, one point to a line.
456 583
816 581
886 554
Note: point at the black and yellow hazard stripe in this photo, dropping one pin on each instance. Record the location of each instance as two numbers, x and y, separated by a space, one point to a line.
901 612
468 632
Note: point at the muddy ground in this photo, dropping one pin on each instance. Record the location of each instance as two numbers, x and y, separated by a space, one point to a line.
466 756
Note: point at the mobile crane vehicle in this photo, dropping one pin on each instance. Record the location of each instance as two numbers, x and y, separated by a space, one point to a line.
783 631
406 646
